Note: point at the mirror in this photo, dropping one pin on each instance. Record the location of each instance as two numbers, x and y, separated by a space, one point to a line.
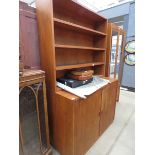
130 59
130 46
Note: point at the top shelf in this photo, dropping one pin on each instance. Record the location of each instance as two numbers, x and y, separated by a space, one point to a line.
78 10
66 24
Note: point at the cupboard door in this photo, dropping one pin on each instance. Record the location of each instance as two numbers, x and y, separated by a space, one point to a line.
104 110
87 122
113 89
108 106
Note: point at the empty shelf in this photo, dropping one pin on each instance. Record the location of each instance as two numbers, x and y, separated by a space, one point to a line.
63 67
73 26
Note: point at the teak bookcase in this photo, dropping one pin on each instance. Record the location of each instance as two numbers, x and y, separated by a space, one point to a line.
73 37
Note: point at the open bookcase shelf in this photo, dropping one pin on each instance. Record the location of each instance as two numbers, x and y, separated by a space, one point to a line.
75 38
76 27
79 65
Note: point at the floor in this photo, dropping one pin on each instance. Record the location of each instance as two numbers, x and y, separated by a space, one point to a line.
119 138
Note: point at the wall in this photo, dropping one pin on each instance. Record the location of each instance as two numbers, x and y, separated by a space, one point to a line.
129 71
116 11
127 11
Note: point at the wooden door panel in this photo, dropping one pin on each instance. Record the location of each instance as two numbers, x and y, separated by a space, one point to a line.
113 99
104 110
87 126
108 106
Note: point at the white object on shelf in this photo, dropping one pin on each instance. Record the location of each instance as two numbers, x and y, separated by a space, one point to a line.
87 89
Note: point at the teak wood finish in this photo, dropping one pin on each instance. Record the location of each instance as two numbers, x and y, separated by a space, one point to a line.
29 80
80 122
73 37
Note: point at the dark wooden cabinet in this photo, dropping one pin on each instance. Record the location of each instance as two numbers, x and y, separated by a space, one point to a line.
28 35
34 131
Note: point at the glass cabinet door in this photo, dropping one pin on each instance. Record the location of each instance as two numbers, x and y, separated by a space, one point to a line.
33 120
119 58
117 50
113 53
29 121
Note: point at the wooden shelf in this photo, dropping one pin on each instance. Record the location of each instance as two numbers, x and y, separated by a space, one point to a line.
78 66
76 27
79 47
